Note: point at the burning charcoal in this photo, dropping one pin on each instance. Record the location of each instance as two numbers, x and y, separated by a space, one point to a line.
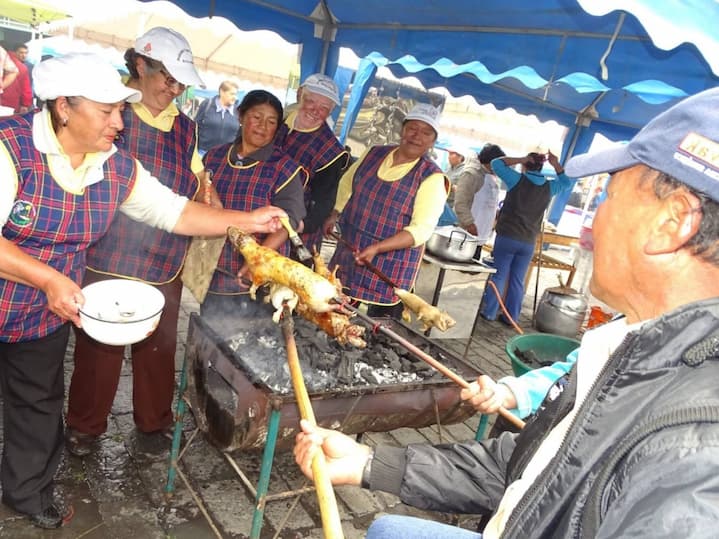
345 370
371 376
392 360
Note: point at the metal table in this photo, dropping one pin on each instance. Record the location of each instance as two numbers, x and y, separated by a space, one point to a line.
472 266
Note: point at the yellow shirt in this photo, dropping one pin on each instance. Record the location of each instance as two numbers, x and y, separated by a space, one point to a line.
428 204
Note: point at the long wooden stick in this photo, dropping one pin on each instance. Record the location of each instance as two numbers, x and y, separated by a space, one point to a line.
506 414
331 524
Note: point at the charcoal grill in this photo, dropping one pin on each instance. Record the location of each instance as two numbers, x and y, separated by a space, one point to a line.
233 407
238 411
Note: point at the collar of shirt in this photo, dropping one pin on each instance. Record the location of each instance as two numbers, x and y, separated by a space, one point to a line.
163 121
290 121
73 180
389 172
220 108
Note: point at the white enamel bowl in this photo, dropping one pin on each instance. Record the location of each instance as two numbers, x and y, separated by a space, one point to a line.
121 311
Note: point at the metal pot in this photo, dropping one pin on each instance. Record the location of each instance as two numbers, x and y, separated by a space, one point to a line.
453 243
561 311
121 311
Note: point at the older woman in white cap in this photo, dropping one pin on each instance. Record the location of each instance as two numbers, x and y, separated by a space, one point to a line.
388 203
164 140
64 181
307 138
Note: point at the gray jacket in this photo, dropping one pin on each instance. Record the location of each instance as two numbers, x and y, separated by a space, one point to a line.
476 198
639 459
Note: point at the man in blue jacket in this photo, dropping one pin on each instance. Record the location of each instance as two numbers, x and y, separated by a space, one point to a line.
629 447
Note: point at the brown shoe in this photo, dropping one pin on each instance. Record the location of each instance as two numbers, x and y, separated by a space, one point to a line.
79 443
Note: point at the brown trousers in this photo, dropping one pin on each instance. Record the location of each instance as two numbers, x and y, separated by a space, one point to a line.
97 372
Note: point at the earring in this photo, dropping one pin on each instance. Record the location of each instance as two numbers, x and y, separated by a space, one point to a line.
64 122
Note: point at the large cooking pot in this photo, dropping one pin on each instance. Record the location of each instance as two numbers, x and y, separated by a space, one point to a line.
561 311
453 243
121 311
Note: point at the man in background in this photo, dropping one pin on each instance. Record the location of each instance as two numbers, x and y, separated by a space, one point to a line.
8 74
216 118
18 95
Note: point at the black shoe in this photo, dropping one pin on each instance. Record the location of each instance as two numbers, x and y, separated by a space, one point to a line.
79 443
55 515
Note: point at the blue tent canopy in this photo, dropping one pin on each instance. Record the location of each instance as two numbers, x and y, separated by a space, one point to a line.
596 66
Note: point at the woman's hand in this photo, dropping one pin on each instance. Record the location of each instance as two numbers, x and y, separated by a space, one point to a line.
244 278
267 219
64 298
366 255
345 458
486 395
329 224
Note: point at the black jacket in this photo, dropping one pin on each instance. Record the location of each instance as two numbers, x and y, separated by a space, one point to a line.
639 459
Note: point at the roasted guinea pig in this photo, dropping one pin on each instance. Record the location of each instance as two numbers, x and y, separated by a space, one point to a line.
429 315
315 294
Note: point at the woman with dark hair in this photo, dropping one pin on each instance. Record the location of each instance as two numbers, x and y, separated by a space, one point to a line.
164 140
520 219
63 183
250 173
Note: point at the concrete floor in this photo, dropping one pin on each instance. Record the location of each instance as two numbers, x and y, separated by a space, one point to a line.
119 491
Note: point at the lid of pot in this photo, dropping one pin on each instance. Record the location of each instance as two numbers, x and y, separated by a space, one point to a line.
447 230
562 291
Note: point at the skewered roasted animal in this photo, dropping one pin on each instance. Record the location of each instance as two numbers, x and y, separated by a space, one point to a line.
287 278
429 315
268 266
279 296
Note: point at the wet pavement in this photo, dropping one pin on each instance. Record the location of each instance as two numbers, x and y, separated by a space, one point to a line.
119 492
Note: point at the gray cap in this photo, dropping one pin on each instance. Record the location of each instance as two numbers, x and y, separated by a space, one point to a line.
682 142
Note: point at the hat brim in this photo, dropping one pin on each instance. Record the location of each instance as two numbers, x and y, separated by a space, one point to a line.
609 160
322 92
186 74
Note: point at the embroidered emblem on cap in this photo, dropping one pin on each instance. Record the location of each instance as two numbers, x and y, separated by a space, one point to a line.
22 213
700 153
147 47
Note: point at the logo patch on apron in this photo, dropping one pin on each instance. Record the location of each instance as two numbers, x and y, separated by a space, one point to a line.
22 213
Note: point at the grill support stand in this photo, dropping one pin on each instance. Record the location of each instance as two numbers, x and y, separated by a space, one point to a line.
261 492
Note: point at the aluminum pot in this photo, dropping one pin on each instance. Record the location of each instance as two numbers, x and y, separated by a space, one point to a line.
453 243
561 311
121 311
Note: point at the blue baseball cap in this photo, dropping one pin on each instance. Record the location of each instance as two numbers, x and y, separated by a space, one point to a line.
682 142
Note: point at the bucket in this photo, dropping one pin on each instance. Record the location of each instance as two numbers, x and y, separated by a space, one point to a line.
545 347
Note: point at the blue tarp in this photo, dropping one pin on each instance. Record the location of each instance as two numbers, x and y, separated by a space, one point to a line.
602 70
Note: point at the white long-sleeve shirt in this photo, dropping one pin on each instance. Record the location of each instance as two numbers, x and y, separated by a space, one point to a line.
149 202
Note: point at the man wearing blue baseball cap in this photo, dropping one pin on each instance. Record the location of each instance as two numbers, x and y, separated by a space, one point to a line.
629 447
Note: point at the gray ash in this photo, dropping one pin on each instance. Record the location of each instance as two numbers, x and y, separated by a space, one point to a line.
259 349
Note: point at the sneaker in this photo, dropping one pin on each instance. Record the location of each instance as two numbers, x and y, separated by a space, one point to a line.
58 514
79 443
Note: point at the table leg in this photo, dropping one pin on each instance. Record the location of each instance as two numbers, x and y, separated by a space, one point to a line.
435 295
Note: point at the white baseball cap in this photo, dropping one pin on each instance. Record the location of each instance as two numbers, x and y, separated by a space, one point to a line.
173 50
322 85
81 74
425 113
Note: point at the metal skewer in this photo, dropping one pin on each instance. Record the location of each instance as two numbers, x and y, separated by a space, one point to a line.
506 414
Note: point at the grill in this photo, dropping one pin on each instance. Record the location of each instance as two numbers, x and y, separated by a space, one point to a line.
237 378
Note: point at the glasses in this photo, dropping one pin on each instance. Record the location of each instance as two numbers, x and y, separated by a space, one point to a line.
171 81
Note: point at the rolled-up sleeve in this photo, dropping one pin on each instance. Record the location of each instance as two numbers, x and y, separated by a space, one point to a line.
153 203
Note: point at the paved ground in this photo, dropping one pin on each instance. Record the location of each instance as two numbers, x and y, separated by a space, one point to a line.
119 491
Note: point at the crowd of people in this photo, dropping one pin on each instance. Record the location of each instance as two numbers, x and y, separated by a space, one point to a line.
109 179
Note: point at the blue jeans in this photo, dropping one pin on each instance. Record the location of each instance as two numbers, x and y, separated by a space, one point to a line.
394 526
512 259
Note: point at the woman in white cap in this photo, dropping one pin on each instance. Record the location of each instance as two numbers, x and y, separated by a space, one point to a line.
64 181
307 138
164 140
388 203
